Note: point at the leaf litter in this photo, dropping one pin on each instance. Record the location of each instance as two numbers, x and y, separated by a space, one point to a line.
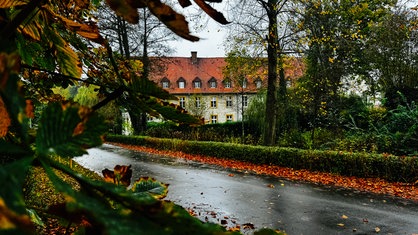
373 185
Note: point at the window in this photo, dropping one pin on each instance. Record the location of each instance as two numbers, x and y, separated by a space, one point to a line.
229 101
182 102
244 83
245 101
258 83
197 83
182 83
165 83
213 119
227 84
197 102
213 102
229 118
212 83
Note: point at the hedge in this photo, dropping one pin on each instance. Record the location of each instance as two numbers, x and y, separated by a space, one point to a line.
389 167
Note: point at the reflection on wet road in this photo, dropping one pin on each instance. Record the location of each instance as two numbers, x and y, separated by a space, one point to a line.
224 196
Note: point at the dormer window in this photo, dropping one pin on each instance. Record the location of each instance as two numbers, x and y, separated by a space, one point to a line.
258 83
181 83
227 83
197 83
213 83
165 83
244 83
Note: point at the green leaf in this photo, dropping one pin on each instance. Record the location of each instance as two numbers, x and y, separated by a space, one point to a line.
12 177
151 186
7 148
62 131
34 217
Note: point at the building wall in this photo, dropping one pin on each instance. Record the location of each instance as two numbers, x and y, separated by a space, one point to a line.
222 111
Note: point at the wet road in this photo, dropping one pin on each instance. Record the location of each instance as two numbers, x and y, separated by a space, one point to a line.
247 199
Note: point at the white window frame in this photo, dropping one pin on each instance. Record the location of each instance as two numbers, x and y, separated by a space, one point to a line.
182 84
245 101
229 101
197 84
213 119
197 102
213 102
182 102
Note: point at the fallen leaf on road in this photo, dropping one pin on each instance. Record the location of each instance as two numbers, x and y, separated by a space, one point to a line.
365 220
376 185
270 186
377 229
248 226
231 175
344 217
341 225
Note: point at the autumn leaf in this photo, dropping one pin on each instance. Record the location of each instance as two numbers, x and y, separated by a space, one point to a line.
11 220
88 31
12 3
219 17
125 10
344 217
173 20
121 174
377 229
4 119
184 3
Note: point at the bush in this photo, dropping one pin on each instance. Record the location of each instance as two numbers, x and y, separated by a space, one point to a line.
389 167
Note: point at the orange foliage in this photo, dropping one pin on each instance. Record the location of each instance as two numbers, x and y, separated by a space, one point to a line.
4 119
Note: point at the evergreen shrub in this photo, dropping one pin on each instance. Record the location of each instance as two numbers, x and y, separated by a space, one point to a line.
389 167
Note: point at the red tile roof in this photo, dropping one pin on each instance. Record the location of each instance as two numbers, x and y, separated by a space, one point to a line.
190 68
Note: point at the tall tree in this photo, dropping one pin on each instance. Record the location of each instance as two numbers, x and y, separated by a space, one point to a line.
393 56
261 26
148 37
336 35
242 69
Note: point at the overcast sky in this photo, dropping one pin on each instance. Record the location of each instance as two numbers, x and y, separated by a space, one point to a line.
211 39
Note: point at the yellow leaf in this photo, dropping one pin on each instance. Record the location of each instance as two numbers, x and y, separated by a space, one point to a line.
344 217
10 220
340 224
377 229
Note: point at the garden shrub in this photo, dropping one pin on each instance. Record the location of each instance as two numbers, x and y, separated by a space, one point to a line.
389 167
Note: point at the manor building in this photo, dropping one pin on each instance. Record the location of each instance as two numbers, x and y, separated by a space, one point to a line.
202 89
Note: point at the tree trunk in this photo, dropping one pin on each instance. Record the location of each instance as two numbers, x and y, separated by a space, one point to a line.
271 99
145 70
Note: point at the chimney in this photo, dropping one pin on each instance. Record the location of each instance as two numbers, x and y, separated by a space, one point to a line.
194 57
